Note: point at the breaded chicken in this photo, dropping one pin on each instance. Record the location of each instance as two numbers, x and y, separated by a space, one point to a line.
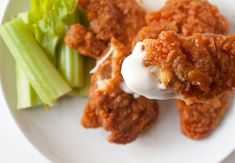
118 112
84 40
196 120
185 17
199 120
153 31
199 67
190 16
120 19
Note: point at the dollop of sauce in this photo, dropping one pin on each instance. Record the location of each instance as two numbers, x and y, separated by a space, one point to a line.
128 91
139 79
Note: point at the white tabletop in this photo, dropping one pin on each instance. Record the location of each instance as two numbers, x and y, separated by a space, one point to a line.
14 147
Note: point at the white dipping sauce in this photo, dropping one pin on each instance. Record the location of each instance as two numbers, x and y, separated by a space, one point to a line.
128 91
139 80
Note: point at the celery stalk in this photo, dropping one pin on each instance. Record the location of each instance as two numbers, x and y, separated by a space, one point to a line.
71 66
26 96
90 63
41 74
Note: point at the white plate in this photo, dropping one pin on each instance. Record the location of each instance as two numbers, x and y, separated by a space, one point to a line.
59 136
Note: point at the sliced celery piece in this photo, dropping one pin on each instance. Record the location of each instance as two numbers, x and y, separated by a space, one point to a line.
90 63
43 77
71 66
26 96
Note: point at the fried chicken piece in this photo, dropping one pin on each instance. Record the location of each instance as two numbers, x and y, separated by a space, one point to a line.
190 16
84 40
199 67
198 121
185 17
153 31
120 19
118 112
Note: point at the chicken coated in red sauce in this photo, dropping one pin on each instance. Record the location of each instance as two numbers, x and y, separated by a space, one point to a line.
118 112
199 67
185 17
199 120
190 16
120 19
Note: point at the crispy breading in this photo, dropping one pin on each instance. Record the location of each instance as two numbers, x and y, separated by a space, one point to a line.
199 120
190 16
185 17
110 107
123 115
199 67
153 31
120 19
84 40
196 121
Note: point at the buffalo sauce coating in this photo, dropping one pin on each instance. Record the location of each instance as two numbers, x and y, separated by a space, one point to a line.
200 66
185 17
119 19
120 113
199 120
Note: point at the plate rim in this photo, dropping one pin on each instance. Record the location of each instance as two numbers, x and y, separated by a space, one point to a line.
6 106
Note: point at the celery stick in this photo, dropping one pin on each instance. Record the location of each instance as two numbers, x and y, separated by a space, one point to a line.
26 96
43 77
90 63
71 66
